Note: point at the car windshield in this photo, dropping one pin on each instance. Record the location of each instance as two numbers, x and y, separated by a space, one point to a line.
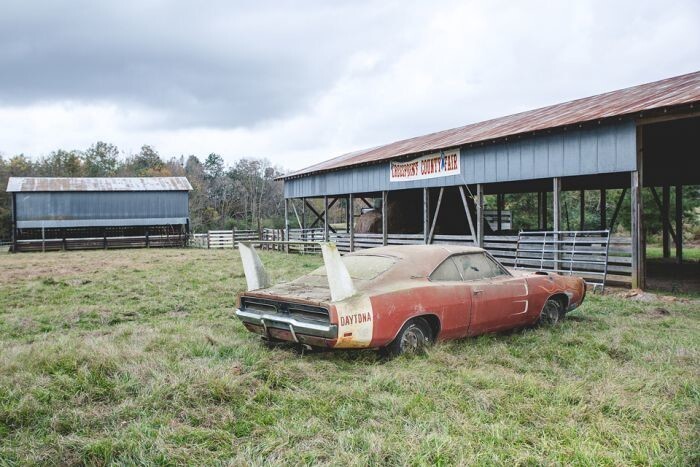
365 267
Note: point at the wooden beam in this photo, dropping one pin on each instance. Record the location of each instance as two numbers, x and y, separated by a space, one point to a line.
347 214
582 209
426 215
556 214
352 222
303 213
325 218
480 214
499 211
435 218
385 219
286 224
318 216
369 205
665 211
296 214
603 209
679 224
618 205
472 232
323 215
636 221
664 219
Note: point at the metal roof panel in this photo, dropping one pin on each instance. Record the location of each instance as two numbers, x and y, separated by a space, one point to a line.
36 184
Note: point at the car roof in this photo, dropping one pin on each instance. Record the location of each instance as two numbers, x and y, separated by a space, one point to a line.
422 259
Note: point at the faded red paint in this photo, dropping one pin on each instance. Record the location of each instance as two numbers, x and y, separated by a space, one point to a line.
461 308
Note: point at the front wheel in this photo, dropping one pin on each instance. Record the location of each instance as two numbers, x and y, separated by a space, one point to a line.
552 312
413 338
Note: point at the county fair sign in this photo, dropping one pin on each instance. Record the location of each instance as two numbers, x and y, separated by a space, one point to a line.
433 165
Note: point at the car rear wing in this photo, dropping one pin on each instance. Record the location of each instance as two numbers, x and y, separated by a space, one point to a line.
339 281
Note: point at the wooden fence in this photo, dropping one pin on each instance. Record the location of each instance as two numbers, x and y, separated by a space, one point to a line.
222 238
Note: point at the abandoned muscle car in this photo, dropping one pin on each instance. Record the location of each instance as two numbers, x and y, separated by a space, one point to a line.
401 298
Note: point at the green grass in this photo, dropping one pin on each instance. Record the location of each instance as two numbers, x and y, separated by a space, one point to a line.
134 357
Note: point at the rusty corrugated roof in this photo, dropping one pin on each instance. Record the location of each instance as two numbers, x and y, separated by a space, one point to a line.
684 89
25 184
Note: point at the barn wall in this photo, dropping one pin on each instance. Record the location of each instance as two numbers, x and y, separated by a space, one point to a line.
80 209
604 149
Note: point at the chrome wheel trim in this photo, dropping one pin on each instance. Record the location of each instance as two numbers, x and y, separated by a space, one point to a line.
550 312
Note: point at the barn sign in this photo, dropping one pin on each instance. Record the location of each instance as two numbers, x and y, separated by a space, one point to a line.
433 165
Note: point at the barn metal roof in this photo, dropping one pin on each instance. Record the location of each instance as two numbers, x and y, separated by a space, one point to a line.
679 90
31 184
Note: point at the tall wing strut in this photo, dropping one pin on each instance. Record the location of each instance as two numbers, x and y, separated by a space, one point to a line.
255 274
339 280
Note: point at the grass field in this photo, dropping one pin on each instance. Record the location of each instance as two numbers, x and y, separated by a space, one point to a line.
134 357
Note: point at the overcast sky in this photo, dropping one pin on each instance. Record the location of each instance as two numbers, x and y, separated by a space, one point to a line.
299 82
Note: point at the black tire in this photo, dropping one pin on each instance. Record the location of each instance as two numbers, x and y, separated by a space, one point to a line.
552 313
413 338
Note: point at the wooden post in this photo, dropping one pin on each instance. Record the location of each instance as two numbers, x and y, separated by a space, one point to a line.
352 223
208 239
472 232
665 208
14 223
325 218
679 224
582 209
499 211
435 218
426 215
104 238
556 219
43 240
148 240
385 219
480 214
303 213
636 210
603 208
542 209
347 214
286 223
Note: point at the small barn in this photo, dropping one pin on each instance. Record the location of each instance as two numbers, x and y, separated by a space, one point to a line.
52 213
431 188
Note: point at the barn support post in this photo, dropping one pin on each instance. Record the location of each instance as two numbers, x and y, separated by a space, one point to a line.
603 207
582 209
325 218
347 214
14 223
665 208
43 240
556 218
472 232
426 215
435 218
636 209
499 211
542 209
679 224
385 220
286 224
480 214
351 203
303 213
148 240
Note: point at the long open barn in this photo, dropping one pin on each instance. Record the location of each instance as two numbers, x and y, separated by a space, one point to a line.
51 213
432 188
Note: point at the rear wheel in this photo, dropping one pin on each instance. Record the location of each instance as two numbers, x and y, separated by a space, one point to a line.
413 338
552 312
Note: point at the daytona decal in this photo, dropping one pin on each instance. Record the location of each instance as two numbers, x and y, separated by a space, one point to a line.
355 322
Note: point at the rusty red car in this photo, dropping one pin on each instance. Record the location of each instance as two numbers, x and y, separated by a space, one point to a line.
401 298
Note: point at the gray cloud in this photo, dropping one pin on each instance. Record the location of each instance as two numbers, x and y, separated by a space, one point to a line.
219 64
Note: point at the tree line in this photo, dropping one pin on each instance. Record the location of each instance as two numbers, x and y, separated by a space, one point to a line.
242 195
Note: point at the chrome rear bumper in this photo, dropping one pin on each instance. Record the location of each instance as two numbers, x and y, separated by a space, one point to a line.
293 325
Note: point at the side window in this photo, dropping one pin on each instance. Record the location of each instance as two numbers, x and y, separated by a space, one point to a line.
447 271
477 266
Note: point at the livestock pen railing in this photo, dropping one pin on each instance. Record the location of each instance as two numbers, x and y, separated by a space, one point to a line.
615 268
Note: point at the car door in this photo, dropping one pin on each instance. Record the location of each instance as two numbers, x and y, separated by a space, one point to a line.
499 300
451 298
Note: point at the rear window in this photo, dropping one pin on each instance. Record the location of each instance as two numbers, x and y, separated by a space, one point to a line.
365 267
